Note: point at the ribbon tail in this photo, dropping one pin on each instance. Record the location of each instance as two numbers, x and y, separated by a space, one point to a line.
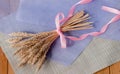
63 41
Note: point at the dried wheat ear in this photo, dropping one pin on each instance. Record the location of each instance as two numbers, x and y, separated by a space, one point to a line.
32 48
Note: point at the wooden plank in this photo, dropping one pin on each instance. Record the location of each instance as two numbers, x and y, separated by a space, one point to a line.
3 63
104 71
10 70
115 68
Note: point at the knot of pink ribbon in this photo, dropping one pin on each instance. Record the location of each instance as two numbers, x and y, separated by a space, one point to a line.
59 21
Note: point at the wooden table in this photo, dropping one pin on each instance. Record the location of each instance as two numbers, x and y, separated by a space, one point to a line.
5 67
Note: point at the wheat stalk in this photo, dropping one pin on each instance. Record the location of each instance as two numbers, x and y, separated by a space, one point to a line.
32 48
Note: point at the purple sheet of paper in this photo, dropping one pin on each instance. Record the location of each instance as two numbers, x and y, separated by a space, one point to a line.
4 7
38 16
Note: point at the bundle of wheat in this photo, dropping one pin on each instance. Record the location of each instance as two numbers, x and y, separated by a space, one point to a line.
32 48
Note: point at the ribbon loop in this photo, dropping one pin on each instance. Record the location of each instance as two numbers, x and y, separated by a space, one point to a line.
72 9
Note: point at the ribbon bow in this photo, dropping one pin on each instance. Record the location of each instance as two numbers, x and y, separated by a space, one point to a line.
59 21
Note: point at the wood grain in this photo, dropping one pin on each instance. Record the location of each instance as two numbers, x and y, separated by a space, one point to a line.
3 63
104 71
10 70
115 68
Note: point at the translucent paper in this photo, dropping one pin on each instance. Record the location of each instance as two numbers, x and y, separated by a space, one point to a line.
4 8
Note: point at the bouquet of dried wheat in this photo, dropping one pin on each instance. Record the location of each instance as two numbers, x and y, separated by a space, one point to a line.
32 48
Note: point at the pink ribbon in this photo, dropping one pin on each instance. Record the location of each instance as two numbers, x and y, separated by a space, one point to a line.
104 28
59 21
62 37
